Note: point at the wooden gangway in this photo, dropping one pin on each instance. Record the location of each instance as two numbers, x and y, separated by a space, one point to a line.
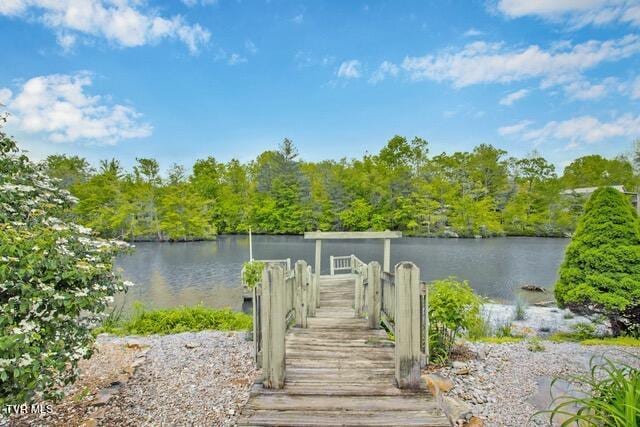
325 359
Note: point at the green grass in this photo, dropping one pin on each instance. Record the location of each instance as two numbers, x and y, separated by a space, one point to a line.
498 340
176 320
622 341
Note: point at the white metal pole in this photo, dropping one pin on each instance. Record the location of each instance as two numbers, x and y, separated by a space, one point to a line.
250 246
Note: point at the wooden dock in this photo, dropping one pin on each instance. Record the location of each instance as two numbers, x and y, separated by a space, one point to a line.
339 372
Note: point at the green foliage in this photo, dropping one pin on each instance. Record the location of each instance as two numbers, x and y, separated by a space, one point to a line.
579 332
181 319
610 397
621 341
481 192
453 308
601 270
56 278
520 309
252 273
500 340
535 345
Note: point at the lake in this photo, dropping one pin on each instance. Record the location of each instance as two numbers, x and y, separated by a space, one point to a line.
173 274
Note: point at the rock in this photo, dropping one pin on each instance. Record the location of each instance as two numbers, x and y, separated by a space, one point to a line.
481 354
462 371
475 422
192 345
90 422
134 345
458 365
533 288
455 409
545 303
437 383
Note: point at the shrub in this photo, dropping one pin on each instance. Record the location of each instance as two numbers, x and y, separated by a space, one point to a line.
252 273
611 397
180 319
453 308
55 279
601 268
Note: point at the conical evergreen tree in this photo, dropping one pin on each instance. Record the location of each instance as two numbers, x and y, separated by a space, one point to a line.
601 269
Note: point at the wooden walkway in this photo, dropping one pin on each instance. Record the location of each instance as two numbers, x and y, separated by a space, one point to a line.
339 372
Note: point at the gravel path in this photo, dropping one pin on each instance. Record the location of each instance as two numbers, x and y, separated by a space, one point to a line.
507 383
199 378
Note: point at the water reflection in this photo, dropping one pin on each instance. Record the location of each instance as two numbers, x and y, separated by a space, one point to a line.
172 274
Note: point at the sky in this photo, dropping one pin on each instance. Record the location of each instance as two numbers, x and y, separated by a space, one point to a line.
186 79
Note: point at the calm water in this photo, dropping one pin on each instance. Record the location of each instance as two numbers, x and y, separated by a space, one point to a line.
171 274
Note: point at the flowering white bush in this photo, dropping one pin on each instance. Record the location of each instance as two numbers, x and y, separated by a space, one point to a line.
55 279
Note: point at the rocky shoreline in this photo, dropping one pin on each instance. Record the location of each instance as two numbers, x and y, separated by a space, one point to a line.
506 384
204 378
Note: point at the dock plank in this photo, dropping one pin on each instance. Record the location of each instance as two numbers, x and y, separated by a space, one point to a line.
339 372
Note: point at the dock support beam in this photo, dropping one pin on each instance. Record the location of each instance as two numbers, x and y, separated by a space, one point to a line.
373 295
386 264
316 290
274 326
300 294
407 325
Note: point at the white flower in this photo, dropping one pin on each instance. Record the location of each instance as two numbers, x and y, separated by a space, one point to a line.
128 283
25 360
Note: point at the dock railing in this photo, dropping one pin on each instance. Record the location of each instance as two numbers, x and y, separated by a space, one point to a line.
398 300
283 298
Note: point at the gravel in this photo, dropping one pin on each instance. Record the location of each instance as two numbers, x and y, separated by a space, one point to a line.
507 383
199 378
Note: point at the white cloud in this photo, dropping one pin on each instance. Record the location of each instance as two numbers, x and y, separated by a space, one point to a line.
635 88
350 69
236 58
58 106
192 3
482 62
472 32
250 47
514 96
514 129
579 130
386 69
122 22
5 95
298 19
577 13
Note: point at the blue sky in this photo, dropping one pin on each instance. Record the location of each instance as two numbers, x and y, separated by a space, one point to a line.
180 80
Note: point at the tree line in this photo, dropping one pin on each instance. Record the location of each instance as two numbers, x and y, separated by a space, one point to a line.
483 192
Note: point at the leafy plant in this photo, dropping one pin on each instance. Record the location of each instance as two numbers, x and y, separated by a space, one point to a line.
504 330
611 397
535 345
520 309
56 278
453 308
621 341
252 273
601 269
579 332
181 319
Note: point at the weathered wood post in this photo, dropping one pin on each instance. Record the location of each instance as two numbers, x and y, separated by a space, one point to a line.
358 295
407 325
386 260
311 297
273 324
316 284
373 295
332 270
300 296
